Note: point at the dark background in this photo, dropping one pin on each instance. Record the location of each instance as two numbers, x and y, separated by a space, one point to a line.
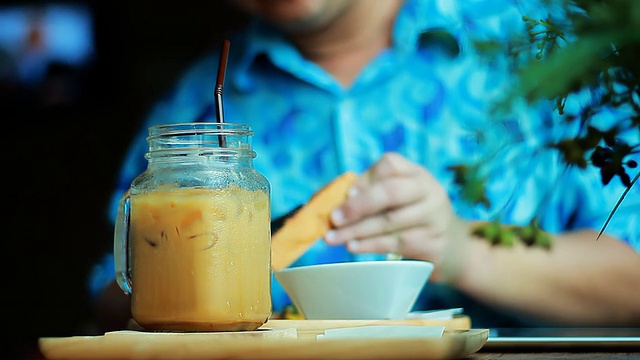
61 159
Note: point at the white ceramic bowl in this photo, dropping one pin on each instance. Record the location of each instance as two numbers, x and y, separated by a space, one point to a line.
385 289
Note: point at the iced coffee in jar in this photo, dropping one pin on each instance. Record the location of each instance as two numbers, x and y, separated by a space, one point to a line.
192 238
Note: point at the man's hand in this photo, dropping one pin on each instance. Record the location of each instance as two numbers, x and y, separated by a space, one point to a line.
399 207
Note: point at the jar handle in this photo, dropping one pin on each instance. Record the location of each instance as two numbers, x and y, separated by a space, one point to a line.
121 243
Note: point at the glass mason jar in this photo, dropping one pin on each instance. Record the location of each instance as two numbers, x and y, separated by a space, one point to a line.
192 237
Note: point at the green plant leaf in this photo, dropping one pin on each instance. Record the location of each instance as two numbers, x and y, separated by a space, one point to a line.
567 68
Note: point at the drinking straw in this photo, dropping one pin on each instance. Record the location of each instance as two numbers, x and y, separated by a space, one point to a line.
222 68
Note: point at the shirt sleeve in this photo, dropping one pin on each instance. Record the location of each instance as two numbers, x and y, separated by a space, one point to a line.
101 275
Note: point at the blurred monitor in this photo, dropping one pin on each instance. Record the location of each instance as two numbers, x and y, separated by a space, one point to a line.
43 49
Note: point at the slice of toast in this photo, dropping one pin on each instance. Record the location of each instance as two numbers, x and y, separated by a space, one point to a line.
309 223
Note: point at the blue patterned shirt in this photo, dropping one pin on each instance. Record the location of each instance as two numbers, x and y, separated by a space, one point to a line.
419 98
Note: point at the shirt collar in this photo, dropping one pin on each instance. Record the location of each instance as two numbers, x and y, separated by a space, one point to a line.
261 39
415 18
419 17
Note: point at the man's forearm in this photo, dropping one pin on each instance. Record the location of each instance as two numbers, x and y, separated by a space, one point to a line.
580 281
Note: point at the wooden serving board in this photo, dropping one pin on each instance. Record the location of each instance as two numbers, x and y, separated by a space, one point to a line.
278 341
312 328
133 344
